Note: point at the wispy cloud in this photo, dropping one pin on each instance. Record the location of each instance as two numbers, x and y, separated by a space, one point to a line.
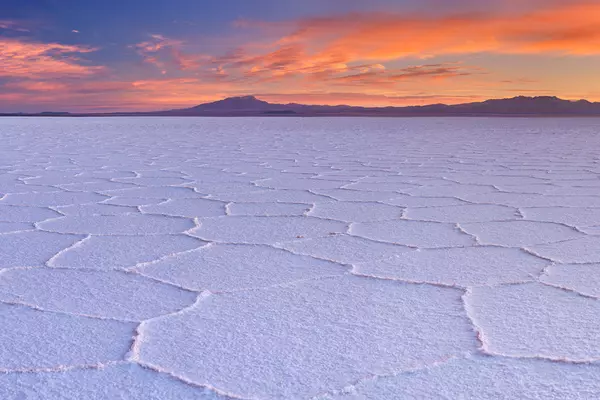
13 26
166 53
286 64
40 73
566 29
22 59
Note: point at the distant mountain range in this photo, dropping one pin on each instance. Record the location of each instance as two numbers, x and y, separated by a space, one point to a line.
251 106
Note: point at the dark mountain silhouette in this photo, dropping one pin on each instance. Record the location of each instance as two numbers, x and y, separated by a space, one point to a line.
244 103
516 106
530 105
251 106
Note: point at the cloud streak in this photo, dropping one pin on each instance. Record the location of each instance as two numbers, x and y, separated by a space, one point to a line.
14 26
21 59
572 29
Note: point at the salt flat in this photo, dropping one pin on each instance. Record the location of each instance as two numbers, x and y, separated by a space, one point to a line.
299 258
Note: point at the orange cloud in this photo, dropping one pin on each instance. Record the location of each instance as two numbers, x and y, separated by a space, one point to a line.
294 63
35 86
20 59
372 75
569 29
71 95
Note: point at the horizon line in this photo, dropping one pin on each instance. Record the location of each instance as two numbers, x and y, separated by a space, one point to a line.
258 98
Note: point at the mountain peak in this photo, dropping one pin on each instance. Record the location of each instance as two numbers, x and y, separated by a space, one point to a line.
247 103
247 98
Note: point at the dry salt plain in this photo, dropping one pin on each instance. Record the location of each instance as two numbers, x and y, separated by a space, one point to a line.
337 259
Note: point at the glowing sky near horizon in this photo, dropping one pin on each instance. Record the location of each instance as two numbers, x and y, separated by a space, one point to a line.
156 54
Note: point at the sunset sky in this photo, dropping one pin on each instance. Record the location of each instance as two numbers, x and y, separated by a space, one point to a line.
108 55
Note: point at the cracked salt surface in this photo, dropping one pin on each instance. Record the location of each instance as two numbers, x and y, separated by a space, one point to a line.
25 214
310 335
235 267
120 252
468 213
581 278
10 227
95 209
257 258
162 192
481 378
118 381
584 250
355 211
131 224
32 248
423 234
520 233
107 294
264 230
536 321
472 266
51 198
34 339
267 209
186 208
270 195
345 249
